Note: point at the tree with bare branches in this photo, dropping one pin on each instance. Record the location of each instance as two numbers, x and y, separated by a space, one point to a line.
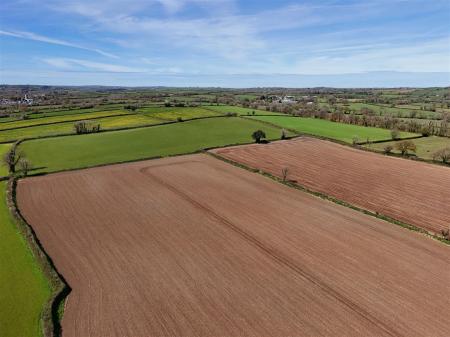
405 146
11 158
285 173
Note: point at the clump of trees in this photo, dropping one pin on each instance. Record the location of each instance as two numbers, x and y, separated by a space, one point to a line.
405 146
130 107
82 127
258 135
442 155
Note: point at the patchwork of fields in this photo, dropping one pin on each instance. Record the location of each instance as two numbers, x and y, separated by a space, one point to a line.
63 153
115 119
324 128
194 246
414 192
191 245
426 146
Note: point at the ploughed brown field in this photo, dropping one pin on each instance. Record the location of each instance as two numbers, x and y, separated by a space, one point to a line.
192 246
413 192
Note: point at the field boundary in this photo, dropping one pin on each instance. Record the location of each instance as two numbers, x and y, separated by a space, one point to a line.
201 150
332 199
142 126
50 316
69 121
358 146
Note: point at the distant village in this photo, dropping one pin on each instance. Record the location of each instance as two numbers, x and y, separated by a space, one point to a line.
25 100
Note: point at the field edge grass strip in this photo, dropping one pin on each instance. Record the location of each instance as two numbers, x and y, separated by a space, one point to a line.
51 313
332 199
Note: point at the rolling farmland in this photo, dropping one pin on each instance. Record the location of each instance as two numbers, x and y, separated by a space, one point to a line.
426 146
324 128
413 192
194 246
161 140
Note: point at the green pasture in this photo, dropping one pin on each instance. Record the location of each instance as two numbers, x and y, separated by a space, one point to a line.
224 109
426 146
173 113
333 130
68 127
3 168
24 289
62 153
59 119
395 112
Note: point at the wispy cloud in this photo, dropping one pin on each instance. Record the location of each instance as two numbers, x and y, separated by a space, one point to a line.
46 39
75 64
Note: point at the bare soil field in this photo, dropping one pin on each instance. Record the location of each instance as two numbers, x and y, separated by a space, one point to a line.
192 246
413 192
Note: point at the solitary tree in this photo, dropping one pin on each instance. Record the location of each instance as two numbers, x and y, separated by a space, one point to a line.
11 158
406 146
387 149
442 155
258 135
284 173
395 134
24 166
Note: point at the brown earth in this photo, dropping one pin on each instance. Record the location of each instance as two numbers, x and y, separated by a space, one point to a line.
192 246
413 192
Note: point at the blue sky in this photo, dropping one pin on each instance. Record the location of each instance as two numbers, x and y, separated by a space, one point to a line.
227 43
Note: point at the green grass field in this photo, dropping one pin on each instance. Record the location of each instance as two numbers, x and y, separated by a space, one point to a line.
325 128
57 119
396 112
426 146
68 127
224 109
62 153
3 168
24 289
169 113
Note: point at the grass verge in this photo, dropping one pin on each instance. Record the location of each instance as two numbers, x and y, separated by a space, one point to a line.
24 289
50 288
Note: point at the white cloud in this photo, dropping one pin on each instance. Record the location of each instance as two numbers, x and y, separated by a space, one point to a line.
74 64
45 39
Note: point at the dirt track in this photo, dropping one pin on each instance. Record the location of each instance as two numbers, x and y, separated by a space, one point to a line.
414 192
192 246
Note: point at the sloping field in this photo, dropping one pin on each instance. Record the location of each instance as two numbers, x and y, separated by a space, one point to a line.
192 246
59 119
224 109
45 130
426 146
413 192
328 129
71 152
172 113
